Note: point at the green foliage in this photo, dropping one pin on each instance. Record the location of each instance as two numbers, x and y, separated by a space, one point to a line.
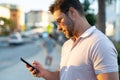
6 27
86 5
6 21
117 45
119 71
119 60
90 16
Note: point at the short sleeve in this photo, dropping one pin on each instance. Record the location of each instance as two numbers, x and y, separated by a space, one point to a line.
104 57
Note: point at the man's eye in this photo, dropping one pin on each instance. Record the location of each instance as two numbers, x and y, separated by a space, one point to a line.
59 20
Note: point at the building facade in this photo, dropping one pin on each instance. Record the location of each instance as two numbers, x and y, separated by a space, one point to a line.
4 12
16 15
38 19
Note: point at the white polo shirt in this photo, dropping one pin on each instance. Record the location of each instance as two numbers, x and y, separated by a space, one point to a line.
93 54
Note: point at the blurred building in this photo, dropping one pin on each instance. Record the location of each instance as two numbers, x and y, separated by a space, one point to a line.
4 12
38 19
16 15
113 19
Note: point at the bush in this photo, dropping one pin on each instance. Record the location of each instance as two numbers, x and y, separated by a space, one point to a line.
117 45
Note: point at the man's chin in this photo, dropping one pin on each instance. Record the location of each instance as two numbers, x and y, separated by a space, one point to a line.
67 36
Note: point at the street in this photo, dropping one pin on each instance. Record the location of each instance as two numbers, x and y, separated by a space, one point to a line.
13 69
10 54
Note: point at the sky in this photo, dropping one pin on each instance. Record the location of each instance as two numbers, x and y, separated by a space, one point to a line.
27 5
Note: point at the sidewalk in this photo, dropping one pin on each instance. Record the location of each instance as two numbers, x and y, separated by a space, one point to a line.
19 72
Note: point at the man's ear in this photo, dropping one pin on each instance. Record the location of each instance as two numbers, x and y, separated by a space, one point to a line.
72 13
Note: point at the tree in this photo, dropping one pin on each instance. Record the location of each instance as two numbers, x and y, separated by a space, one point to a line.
90 16
7 24
101 15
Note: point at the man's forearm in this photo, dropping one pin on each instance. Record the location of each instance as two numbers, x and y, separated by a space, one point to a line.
108 76
52 75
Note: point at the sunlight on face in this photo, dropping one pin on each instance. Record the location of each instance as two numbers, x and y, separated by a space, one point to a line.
65 23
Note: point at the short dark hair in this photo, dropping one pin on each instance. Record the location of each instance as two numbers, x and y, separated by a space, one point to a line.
64 5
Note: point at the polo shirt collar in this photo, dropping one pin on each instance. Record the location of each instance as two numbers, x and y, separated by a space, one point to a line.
88 32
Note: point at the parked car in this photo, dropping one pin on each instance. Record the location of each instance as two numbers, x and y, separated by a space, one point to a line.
15 38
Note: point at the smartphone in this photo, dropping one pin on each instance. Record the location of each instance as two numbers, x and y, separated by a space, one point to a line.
28 64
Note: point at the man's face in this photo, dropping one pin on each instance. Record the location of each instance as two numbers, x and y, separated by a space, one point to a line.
65 23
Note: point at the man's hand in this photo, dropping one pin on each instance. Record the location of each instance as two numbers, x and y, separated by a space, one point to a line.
47 75
38 72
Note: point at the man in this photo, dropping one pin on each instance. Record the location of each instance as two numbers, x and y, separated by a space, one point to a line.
49 45
87 55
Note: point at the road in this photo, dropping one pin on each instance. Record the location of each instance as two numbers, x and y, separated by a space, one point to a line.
13 69
10 55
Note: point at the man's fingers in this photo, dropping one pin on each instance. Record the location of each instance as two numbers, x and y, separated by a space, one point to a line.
35 63
34 72
30 69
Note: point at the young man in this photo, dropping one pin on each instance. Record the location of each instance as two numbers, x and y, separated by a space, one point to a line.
87 55
49 45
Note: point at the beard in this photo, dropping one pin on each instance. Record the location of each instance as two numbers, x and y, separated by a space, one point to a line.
70 27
